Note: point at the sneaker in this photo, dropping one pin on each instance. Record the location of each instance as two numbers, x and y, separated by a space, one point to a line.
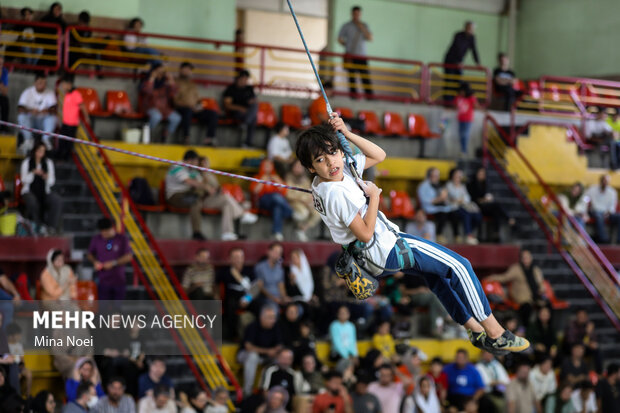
471 240
483 342
229 236
301 235
278 236
507 342
248 218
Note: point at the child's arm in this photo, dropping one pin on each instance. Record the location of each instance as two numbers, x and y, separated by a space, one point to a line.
364 228
374 153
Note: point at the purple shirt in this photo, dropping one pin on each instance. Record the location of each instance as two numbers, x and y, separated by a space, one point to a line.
107 250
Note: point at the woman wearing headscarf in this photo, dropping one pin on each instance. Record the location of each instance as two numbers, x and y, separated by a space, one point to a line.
57 279
43 402
301 275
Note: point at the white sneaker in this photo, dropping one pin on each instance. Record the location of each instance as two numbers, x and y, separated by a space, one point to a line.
471 240
248 218
278 236
301 235
229 236
299 216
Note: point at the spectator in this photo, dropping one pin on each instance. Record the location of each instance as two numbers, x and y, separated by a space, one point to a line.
158 91
72 105
603 202
411 368
195 401
43 402
520 395
282 374
116 400
466 102
494 375
220 401
199 278
304 214
561 401
38 177
504 81
290 325
7 389
389 392
421 227
58 282
16 349
279 149
156 376
608 390
582 330
543 379
9 298
574 369
312 378
477 188
187 104
383 341
318 109
54 16
272 198
237 289
28 36
271 273
36 109
84 371
185 189
305 343
336 398
464 381
434 201
4 94
526 284
83 399
300 275
353 36
240 104
598 132
542 333
277 400
467 211
217 199
461 43
135 43
424 399
261 342
416 288
110 252
159 401
584 398
614 144
363 400
575 203
343 337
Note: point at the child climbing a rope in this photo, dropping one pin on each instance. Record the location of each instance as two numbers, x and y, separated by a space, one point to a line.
374 247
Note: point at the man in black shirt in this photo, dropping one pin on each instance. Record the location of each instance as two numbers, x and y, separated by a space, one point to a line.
503 81
261 342
608 390
281 374
462 42
574 369
240 104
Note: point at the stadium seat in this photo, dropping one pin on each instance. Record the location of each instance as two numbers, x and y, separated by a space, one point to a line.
393 124
344 112
266 115
210 103
92 103
418 127
401 205
556 303
498 299
291 116
533 89
554 91
371 122
519 85
118 103
162 200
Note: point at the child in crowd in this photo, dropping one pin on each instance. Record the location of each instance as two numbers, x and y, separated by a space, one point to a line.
383 340
16 349
375 247
465 104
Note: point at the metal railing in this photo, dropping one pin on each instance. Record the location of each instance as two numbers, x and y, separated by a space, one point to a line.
31 45
443 84
560 228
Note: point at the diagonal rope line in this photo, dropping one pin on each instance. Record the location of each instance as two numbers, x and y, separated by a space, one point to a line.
153 158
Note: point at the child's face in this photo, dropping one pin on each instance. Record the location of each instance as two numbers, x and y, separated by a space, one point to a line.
15 338
329 167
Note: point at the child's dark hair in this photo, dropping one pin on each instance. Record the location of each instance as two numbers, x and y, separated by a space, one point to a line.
13 329
317 140
466 89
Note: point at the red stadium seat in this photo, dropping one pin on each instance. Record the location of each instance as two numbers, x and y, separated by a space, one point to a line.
534 89
554 91
498 299
344 112
519 85
556 303
266 115
118 103
371 121
401 205
393 124
210 103
418 127
291 116
92 103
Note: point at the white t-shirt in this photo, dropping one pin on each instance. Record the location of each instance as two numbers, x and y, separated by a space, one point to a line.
31 99
590 405
279 146
339 203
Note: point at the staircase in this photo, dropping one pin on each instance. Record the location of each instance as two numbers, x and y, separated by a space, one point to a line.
90 189
567 256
